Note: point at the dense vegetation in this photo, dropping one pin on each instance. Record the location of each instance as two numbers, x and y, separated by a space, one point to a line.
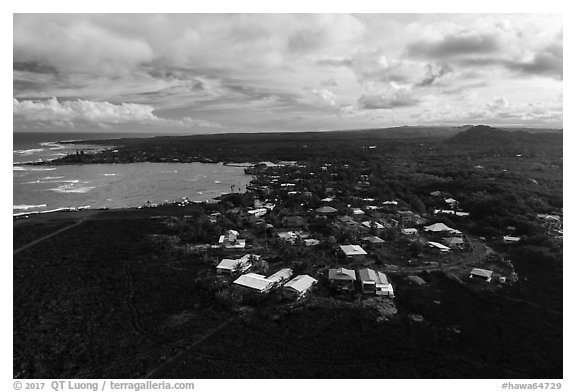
137 294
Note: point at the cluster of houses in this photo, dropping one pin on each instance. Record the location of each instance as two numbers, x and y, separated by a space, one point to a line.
368 281
295 288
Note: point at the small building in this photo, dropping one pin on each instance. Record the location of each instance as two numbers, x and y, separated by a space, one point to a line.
375 282
438 246
451 202
311 242
481 274
254 282
230 240
298 287
281 276
357 211
342 279
353 252
229 266
373 241
372 225
258 212
510 240
441 227
410 231
326 210
453 242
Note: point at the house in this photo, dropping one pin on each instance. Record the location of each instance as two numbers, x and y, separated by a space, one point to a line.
353 252
451 202
298 286
281 276
410 218
258 212
254 282
342 279
410 231
357 211
230 240
438 246
510 240
229 266
481 274
453 242
373 241
326 210
311 242
372 224
441 227
327 199
452 212
375 282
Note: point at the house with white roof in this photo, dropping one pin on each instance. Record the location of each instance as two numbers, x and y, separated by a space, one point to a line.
281 276
230 240
254 282
510 240
258 212
481 274
441 227
229 266
438 246
298 286
375 282
342 279
353 252
451 202
372 224
410 231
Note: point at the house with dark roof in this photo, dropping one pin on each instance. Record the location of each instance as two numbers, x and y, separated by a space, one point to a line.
342 279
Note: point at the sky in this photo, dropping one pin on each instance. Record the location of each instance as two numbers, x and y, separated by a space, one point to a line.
215 73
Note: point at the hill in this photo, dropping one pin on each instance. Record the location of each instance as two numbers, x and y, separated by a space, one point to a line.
483 135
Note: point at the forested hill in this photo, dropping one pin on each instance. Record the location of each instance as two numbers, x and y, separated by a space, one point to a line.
485 136
304 146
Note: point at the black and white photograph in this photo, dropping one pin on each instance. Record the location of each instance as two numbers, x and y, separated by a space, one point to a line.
298 196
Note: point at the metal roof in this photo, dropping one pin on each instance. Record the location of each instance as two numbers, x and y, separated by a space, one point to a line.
481 272
301 283
283 274
369 275
254 281
352 250
341 274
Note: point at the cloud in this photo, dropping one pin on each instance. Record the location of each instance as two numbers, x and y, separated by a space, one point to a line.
391 99
435 72
455 45
326 95
497 104
100 113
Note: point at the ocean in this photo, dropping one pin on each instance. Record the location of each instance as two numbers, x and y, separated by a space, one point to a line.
39 189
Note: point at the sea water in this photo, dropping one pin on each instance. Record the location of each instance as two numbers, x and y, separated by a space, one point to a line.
47 188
